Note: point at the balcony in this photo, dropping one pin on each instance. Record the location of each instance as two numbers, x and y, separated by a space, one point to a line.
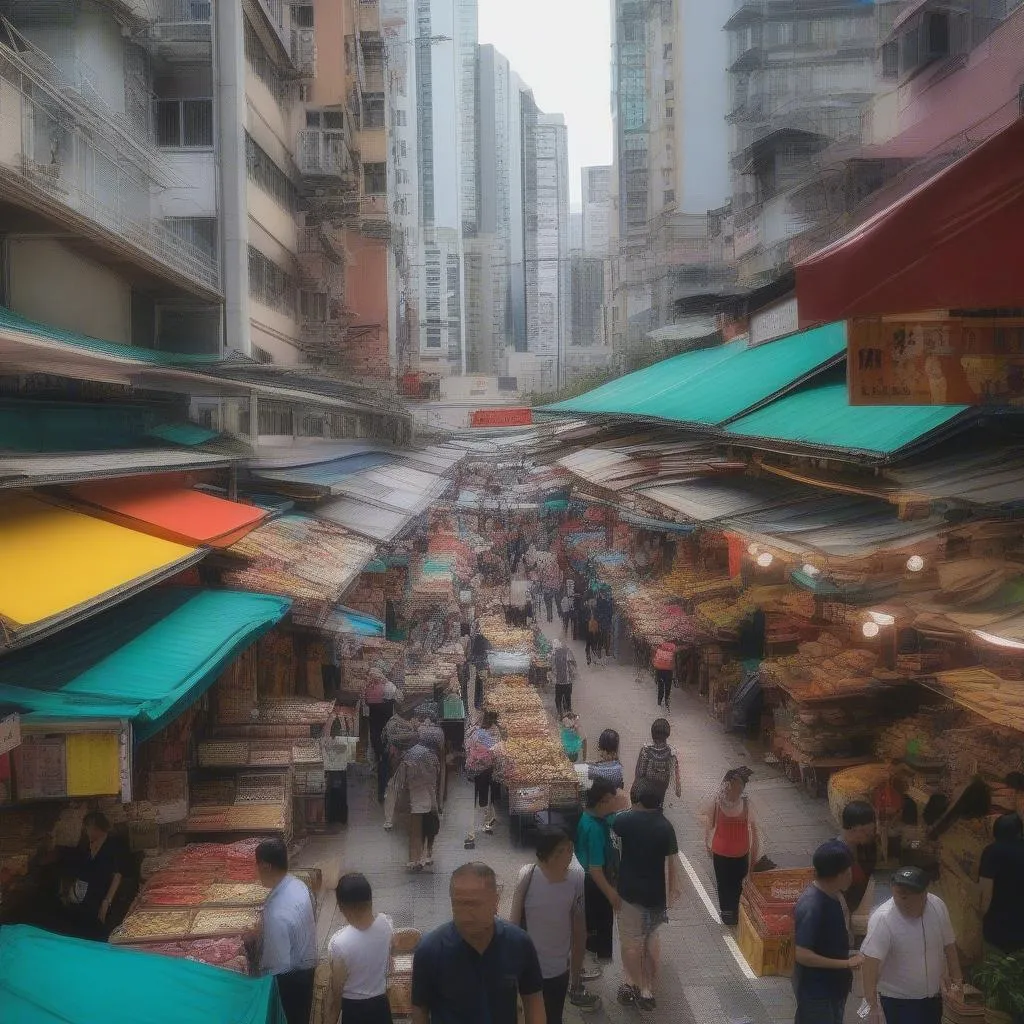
304 52
324 154
374 221
181 30
743 12
323 342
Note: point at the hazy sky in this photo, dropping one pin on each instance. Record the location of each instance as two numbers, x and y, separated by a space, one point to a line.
562 50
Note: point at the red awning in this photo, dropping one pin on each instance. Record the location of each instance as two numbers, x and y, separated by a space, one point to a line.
952 243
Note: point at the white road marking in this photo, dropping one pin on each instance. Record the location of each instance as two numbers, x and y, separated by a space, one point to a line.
733 947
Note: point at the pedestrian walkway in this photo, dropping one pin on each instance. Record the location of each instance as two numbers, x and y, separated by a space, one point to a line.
704 978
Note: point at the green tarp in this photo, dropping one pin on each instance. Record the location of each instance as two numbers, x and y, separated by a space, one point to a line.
145 660
823 417
714 385
49 979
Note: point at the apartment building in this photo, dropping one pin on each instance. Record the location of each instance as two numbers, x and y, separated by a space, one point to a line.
598 210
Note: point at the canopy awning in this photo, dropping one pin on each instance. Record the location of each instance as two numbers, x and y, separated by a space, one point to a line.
706 501
994 477
323 478
59 565
146 660
712 386
299 557
170 510
349 622
99 982
381 525
952 243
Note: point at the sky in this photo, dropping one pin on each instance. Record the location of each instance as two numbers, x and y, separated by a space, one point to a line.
562 50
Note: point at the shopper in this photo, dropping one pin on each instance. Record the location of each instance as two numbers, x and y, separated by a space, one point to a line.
289 932
548 905
664 662
96 868
731 837
432 736
608 766
399 736
567 608
649 883
478 666
359 955
823 973
1002 886
473 969
860 832
910 956
480 767
339 749
591 630
658 763
599 858
574 743
563 665
418 777
604 611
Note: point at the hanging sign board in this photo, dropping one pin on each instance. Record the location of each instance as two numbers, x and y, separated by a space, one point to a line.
936 361
10 733
93 764
39 768
502 417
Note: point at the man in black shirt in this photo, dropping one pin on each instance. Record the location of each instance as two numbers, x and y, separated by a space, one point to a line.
1001 877
860 835
823 975
473 969
649 848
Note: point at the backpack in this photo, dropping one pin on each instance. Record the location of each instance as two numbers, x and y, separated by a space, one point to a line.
665 657
658 764
479 756
593 626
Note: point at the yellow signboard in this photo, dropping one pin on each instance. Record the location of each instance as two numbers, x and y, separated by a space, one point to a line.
93 764
936 361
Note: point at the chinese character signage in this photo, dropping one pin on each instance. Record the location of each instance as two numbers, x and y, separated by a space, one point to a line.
936 361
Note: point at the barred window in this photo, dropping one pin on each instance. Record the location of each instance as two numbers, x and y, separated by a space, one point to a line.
269 284
268 176
375 179
183 124
263 66
200 232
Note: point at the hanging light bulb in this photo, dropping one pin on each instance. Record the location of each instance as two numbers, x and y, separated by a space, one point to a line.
915 563
870 629
765 559
811 570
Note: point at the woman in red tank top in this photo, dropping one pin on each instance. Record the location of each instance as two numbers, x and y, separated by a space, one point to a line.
732 841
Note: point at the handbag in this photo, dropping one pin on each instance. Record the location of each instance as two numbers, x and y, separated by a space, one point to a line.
526 891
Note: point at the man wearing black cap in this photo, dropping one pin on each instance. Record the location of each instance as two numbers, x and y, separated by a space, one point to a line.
910 953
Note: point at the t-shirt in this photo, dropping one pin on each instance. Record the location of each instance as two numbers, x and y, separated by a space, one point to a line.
458 985
289 928
821 927
366 955
911 949
593 834
95 874
551 909
610 770
647 839
1003 924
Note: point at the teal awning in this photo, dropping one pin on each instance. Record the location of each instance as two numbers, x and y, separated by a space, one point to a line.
822 417
353 623
146 660
50 979
713 386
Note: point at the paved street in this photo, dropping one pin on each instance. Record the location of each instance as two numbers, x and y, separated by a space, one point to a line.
703 978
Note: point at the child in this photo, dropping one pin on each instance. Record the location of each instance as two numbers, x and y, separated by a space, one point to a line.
573 742
658 762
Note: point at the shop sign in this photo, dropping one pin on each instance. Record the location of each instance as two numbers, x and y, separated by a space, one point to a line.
502 417
775 321
10 733
125 756
936 361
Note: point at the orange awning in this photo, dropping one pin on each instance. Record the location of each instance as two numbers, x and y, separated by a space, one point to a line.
170 510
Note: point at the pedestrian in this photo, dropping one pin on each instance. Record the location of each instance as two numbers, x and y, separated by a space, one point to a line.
432 736
548 905
859 832
732 840
649 883
289 932
823 973
96 867
658 762
339 750
664 663
552 586
910 957
476 967
478 664
359 955
599 858
608 766
379 698
604 611
566 606
574 743
563 665
591 631
1001 877
399 735
480 767
418 777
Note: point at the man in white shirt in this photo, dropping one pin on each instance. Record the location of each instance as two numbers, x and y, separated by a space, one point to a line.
289 932
910 955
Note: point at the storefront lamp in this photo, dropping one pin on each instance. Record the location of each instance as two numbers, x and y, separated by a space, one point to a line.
915 563
765 559
882 618
811 570
870 629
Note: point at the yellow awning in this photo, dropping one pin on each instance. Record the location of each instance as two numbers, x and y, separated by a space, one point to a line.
54 562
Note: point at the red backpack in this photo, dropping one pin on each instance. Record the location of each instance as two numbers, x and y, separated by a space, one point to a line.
665 657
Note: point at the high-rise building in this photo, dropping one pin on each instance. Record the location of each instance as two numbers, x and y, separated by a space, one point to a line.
598 210
468 37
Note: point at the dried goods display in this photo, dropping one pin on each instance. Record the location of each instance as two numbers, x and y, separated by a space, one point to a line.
222 753
224 922
152 926
824 670
228 953
174 895
999 700
503 637
238 894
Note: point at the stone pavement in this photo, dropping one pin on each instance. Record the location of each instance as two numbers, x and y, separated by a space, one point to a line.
703 979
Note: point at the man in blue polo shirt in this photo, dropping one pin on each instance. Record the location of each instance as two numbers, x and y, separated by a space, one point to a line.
475 968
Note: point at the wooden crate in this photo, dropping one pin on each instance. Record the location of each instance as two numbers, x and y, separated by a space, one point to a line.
768 957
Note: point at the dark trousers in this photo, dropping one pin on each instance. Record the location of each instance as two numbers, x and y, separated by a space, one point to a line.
729 875
820 1011
912 1011
600 920
549 605
593 646
336 798
568 622
366 1011
383 770
563 698
296 991
664 679
478 689
555 991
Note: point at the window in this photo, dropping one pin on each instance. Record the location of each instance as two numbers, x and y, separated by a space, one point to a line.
670 113
401 119
670 88
269 284
669 196
891 59
263 65
936 34
373 110
375 179
184 124
313 306
200 232
264 173
666 52
327 120
433 336
302 15
261 355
